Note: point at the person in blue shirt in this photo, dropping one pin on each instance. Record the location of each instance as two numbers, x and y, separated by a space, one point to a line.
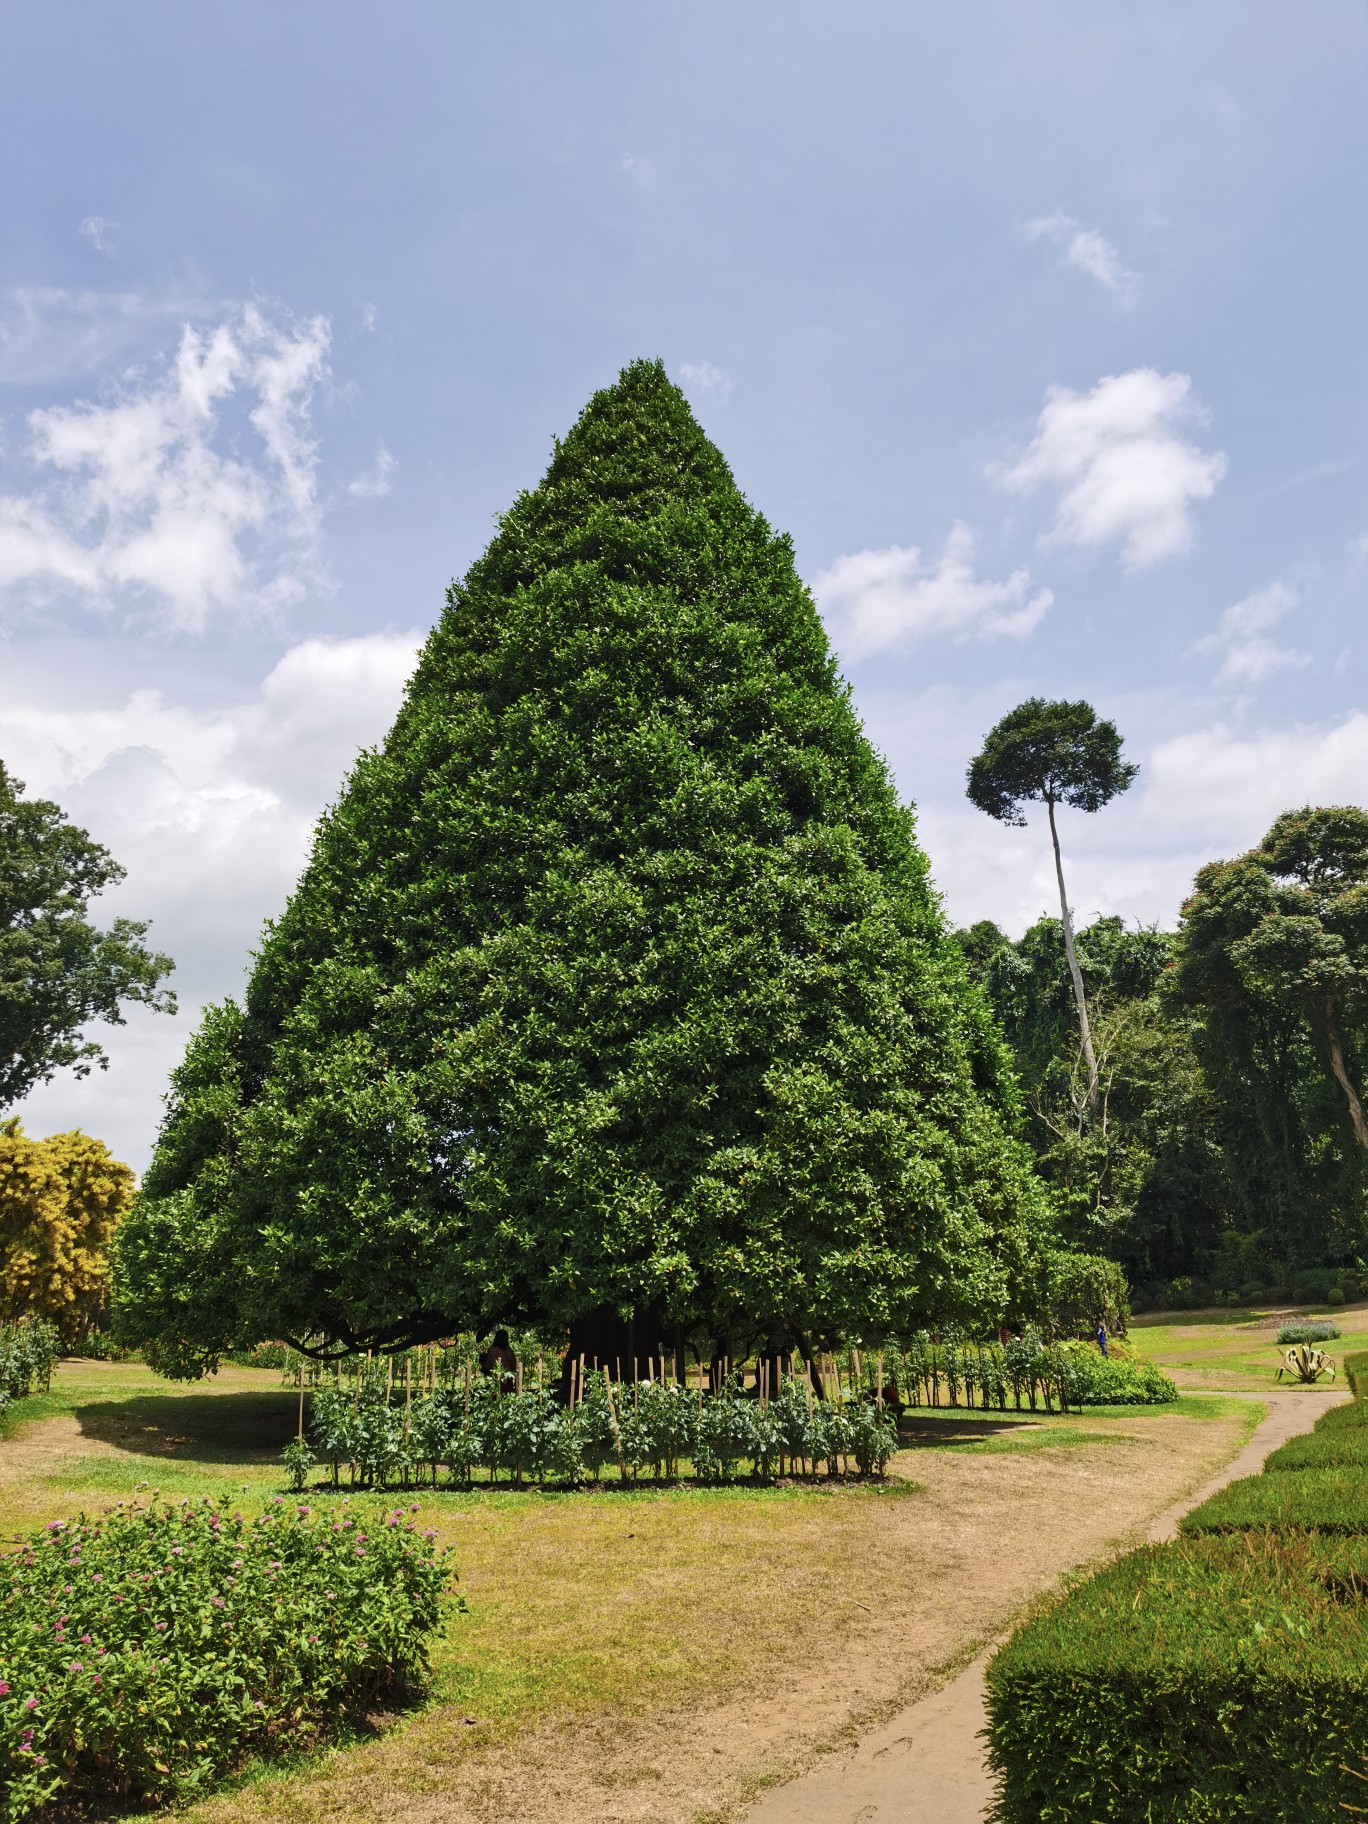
1102 1337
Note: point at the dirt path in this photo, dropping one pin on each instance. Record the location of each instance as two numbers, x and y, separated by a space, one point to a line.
926 1765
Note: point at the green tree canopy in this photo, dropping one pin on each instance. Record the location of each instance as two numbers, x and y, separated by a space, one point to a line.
1052 753
1143 1180
615 983
1274 955
57 971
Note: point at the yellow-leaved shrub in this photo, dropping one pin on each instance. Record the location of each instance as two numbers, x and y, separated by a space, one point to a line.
61 1200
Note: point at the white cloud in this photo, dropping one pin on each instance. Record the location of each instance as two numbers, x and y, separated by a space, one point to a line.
1249 655
703 377
1233 785
96 230
369 318
1122 470
1084 248
877 600
375 483
147 506
211 813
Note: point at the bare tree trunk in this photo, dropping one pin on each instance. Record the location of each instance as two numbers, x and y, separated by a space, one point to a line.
1080 999
1342 1077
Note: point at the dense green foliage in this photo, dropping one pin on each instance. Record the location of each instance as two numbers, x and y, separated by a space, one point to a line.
145 1653
1213 1680
57 972
1273 956
1142 1178
615 988
1083 1291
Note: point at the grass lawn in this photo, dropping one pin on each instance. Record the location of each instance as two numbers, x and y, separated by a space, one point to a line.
647 1654
1225 1349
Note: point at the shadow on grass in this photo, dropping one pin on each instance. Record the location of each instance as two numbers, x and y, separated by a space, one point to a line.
243 1428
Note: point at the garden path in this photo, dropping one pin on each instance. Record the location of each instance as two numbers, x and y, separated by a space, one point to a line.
926 1765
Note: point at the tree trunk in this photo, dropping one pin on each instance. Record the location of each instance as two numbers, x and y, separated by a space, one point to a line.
1342 1077
1080 999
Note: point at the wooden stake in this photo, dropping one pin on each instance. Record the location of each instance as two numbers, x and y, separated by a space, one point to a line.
408 1393
301 1399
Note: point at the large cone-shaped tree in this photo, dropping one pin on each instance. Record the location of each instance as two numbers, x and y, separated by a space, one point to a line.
615 983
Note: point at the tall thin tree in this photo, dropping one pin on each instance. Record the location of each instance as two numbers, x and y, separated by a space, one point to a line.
1052 753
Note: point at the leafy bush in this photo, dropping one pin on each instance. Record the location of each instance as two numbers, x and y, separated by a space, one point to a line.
1213 1679
1333 1500
1310 1330
28 1354
144 1653
1356 1372
1092 1379
1083 1291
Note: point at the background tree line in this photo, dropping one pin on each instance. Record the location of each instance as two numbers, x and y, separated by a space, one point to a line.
1224 1150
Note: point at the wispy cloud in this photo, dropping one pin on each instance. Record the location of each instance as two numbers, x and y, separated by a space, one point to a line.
97 231
703 377
1123 471
1083 248
640 173
1248 655
147 498
369 318
375 483
48 334
875 601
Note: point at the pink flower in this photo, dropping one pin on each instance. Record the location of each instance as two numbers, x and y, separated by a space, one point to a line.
32 1704
161 1626
97 1680
85 1640
4 1688
75 1666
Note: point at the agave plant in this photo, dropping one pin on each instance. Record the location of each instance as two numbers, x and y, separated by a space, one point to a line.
1306 1363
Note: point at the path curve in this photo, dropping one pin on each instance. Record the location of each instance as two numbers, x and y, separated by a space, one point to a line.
926 1765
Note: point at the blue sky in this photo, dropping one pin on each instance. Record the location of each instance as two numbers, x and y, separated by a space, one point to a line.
1039 329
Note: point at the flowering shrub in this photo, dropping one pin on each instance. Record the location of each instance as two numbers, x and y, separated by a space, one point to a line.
144 1653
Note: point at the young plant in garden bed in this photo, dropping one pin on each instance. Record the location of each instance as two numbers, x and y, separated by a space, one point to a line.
147 1652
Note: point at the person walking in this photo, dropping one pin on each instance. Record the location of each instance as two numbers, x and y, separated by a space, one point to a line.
1102 1336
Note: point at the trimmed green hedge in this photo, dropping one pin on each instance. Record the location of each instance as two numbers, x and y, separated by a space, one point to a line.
1213 1680
1321 1500
1356 1371
1341 1444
